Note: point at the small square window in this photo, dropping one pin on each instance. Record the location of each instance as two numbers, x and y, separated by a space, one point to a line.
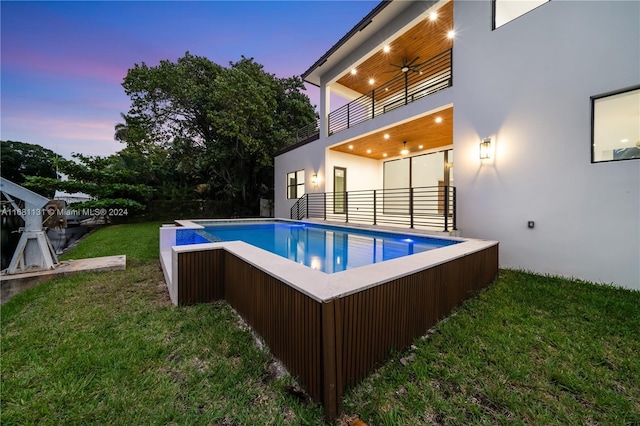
505 11
295 184
615 125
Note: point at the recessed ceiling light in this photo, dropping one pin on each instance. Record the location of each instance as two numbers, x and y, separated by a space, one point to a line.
386 135
384 155
353 71
438 120
350 146
625 140
451 34
386 48
368 151
420 147
433 15
371 81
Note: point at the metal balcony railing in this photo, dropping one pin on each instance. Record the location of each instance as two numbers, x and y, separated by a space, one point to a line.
306 132
431 77
431 207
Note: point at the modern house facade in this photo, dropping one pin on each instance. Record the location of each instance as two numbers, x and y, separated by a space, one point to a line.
507 120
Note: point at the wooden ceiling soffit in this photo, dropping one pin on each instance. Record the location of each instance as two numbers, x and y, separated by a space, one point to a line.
431 132
423 41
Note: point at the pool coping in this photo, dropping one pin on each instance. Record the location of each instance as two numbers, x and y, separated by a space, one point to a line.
321 286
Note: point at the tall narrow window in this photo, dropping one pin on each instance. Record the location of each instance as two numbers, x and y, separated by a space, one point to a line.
615 128
505 11
339 189
295 184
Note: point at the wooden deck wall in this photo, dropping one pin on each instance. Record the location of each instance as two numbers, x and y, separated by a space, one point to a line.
331 346
390 316
200 276
288 320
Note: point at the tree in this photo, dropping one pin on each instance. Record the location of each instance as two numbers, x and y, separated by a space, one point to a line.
220 127
108 180
20 159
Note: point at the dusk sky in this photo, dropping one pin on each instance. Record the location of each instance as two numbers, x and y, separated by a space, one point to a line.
63 62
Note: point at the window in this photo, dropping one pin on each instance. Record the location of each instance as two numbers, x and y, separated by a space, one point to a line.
295 184
615 125
419 171
505 11
426 170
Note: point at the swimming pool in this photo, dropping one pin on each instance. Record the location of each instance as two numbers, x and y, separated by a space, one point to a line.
325 248
329 329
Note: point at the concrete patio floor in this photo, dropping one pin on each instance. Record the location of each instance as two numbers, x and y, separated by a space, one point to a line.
10 285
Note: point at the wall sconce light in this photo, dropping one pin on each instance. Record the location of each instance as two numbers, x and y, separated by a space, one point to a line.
314 179
485 149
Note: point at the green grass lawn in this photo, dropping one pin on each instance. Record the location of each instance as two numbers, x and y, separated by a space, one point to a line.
528 350
109 348
139 242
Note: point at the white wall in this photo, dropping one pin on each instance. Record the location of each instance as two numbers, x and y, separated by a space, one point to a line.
527 84
309 157
362 173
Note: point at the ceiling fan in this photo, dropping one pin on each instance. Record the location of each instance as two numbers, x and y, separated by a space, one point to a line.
408 66
405 68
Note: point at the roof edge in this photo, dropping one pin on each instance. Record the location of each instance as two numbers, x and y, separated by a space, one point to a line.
298 144
357 28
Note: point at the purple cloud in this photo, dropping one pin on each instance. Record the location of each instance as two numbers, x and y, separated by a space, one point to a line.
63 62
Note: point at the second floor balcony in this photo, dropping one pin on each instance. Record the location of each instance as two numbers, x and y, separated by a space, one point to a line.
413 80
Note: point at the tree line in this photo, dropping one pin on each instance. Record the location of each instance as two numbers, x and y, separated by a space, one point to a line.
194 130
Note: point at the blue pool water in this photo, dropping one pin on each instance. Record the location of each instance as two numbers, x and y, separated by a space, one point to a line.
326 248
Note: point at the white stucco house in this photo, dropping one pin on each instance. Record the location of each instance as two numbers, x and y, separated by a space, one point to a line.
507 120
